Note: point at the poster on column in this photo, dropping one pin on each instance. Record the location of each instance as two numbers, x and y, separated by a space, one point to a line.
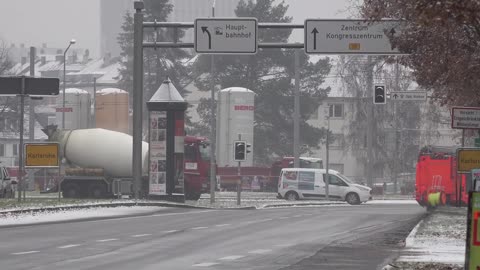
158 153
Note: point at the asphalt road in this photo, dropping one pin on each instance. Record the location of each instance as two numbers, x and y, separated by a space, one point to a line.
333 237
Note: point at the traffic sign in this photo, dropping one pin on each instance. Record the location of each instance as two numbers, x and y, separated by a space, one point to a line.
468 159
226 35
12 86
408 96
41 155
466 117
350 36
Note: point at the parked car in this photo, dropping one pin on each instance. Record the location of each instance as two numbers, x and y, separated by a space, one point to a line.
7 185
301 183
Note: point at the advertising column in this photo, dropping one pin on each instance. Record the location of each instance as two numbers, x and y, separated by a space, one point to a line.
158 153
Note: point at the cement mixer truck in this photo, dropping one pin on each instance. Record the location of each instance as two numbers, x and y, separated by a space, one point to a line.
99 163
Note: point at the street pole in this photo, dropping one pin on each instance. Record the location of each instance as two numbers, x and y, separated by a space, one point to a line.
370 115
327 181
137 97
239 173
20 152
94 125
296 114
64 80
395 122
212 126
31 114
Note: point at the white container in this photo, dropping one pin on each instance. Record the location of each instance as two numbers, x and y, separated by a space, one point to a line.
100 148
235 115
77 108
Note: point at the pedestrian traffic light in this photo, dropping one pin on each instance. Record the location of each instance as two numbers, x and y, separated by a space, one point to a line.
379 95
240 150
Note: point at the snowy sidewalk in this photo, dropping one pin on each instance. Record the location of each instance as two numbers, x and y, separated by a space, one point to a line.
437 242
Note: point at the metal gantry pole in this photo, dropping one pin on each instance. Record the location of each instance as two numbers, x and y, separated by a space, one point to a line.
137 97
296 114
31 114
327 161
213 160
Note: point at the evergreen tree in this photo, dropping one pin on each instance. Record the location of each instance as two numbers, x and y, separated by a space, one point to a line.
270 75
158 63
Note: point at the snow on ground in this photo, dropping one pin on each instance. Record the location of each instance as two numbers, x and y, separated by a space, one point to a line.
72 214
437 242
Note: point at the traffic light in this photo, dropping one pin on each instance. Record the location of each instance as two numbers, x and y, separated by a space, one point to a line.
379 95
240 150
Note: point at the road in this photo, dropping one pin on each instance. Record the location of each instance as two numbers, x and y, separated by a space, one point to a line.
329 237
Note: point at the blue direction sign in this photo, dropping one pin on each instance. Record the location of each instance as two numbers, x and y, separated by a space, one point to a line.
12 86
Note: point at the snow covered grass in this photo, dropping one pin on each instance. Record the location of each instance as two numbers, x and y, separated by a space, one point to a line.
72 214
438 242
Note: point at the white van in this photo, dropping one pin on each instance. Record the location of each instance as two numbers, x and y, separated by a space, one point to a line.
302 183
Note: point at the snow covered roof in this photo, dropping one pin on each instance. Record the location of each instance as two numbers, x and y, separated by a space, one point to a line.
237 90
74 91
108 91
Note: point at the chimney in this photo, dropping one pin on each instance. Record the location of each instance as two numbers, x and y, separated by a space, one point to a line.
43 60
59 58
24 60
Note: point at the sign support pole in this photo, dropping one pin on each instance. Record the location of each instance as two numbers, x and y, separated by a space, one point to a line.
239 185
21 184
296 118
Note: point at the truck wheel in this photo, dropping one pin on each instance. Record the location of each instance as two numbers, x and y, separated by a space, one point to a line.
97 191
70 191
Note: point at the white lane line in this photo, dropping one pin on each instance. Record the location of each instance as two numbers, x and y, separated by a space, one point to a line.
283 217
140 235
222 225
171 231
69 246
26 252
205 264
199 228
231 258
297 216
107 240
260 251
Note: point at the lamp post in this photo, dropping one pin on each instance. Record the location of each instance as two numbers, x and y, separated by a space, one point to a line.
64 82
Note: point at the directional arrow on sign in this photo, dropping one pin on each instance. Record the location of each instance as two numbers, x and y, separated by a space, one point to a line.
315 32
205 30
395 96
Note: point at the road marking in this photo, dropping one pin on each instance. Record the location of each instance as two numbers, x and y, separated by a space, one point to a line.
297 216
231 258
69 246
26 252
171 231
199 228
205 264
222 225
260 251
283 217
107 240
141 235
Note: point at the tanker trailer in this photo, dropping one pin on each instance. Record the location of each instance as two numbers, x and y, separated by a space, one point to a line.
96 159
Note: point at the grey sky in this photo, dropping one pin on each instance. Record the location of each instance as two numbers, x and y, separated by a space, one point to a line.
55 22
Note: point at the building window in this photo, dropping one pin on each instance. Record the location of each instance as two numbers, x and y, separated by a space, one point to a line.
15 149
2 150
337 141
336 110
314 115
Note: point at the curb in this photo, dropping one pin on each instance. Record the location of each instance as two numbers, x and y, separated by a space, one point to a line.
301 204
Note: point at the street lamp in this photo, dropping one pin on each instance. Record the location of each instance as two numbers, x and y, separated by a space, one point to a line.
64 82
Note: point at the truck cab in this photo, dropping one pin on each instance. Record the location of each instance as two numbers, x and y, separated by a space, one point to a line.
197 166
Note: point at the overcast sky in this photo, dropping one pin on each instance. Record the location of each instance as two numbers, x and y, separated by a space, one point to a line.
55 22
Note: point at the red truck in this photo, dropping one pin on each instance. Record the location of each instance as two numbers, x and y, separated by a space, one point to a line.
436 175
261 178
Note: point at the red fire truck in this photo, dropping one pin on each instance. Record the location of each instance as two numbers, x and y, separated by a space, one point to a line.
437 176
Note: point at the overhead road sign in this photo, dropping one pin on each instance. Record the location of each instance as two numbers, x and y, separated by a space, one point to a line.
41 155
12 86
350 36
226 35
408 96
466 117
